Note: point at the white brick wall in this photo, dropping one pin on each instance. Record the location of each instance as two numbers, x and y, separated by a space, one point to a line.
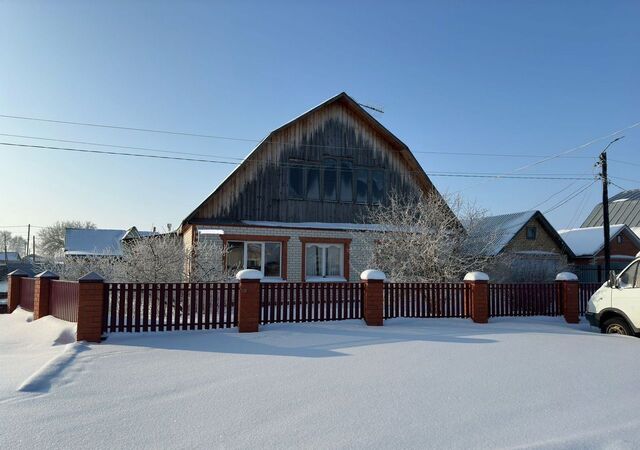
358 252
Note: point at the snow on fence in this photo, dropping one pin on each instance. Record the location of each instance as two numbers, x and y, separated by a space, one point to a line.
27 292
524 299
426 300
169 306
309 302
63 300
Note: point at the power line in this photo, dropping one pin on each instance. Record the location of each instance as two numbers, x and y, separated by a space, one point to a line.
175 158
149 149
570 197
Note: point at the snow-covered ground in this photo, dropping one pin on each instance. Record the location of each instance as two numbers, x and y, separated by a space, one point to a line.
430 383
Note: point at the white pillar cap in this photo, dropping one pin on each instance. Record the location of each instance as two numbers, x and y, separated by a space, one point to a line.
249 274
372 274
476 276
566 276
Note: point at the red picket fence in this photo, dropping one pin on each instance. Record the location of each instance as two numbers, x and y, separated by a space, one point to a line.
27 292
524 299
169 306
309 302
425 300
584 294
63 300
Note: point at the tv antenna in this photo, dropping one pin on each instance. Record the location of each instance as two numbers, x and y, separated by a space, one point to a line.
373 108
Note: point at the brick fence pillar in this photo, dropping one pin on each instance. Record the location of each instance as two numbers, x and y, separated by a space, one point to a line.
249 300
477 288
569 296
13 297
90 307
373 297
42 293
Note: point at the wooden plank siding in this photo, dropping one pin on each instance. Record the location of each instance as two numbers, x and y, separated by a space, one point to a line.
258 189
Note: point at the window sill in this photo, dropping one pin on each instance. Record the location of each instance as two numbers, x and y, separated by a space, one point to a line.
326 280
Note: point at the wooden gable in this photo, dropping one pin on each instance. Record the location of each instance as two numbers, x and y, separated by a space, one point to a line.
338 129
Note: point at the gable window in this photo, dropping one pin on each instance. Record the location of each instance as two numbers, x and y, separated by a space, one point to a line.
620 239
531 233
295 182
263 256
324 261
377 186
313 183
330 180
362 185
346 181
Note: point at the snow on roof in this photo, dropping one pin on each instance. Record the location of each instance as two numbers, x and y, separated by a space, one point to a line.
96 242
10 256
499 230
588 241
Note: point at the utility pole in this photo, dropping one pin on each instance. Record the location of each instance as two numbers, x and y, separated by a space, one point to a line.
28 237
33 260
605 207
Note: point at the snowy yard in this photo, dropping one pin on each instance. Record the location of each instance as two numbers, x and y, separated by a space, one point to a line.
437 383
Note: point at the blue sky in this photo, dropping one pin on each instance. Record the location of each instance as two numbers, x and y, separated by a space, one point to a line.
523 78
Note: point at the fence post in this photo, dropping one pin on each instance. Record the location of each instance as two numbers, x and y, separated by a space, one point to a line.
477 284
249 300
13 297
373 297
90 307
42 293
569 293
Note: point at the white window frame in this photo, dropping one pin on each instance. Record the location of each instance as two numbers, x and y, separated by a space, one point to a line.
245 255
324 277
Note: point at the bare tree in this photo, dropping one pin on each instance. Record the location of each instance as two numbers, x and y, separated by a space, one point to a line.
15 243
51 238
154 259
422 238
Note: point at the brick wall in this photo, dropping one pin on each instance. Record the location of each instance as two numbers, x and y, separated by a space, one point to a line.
357 252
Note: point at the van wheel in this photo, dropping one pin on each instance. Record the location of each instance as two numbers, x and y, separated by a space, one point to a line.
617 325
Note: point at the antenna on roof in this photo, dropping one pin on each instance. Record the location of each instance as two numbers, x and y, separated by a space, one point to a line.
373 108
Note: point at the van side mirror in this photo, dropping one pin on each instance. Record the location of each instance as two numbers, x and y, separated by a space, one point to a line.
613 281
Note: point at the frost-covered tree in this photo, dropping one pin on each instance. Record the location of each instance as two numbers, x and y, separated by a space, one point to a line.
14 243
154 259
422 238
51 238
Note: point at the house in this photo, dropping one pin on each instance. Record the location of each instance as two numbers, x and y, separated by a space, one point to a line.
588 246
80 242
624 208
527 246
9 257
291 207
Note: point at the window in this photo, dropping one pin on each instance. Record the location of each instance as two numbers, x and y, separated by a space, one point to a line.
330 180
531 233
377 186
263 256
313 183
629 278
346 181
295 182
362 185
324 260
620 239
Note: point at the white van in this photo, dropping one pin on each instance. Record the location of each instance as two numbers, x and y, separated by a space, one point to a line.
615 307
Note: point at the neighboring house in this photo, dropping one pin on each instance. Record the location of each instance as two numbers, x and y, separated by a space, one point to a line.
588 246
290 209
9 257
80 242
526 246
624 208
